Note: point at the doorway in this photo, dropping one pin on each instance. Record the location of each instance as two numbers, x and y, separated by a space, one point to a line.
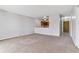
66 26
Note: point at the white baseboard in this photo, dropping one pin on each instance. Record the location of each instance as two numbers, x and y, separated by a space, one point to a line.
13 36
76 44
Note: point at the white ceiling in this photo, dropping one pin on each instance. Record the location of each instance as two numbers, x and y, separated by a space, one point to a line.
38 10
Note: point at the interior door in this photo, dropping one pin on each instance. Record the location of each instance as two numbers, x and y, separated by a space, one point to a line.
66 26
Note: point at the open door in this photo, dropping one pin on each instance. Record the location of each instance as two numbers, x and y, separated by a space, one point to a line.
66 26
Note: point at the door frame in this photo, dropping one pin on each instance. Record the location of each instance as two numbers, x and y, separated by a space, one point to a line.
62 21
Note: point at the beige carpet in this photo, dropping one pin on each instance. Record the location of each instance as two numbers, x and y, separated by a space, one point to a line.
37 43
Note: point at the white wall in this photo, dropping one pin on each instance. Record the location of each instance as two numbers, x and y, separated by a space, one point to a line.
54 27
12 25
75 27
